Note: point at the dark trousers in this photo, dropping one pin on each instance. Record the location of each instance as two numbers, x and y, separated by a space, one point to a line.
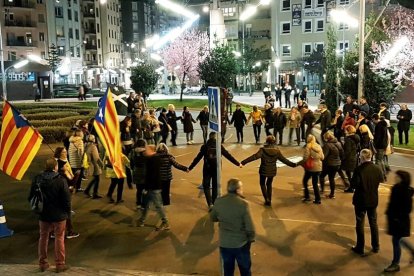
164 137
165 192
266 187
239 134
279 98
129 176
360 224
204 128
397 242
78 183
114 183
267 130
174 137
138 194
315 178
329 171
256 130
242 255
346 178
287 101
93 184
297 130
402 131
295 98
210 175
278 133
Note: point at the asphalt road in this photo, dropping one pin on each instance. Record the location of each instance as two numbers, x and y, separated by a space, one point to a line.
293 238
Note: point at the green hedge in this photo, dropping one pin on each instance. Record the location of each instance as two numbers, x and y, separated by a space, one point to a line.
66 122
50 115
53 134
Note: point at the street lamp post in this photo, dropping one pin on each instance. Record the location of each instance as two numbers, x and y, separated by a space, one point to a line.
361 49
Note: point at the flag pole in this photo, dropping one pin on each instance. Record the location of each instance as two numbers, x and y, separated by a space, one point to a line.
3 74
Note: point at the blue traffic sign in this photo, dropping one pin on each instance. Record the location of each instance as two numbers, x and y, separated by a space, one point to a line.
214 108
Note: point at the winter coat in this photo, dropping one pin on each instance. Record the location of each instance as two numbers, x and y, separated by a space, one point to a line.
280 121
294 122
308 118
399 209
136 128
238 118
203 117
404 117
172 120
325 120
56 196
333 152
167 160
316 153
269 118
365 181
152 177
138 165
348 121
381 135
351 148
337 128
163 124
347 108
210 164
75 153
269 155
95 162
187 120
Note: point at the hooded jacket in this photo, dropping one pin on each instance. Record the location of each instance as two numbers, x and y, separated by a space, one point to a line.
269 155
56 196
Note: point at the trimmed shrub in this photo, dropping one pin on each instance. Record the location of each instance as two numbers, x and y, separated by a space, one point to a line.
66 122
53 134
50 115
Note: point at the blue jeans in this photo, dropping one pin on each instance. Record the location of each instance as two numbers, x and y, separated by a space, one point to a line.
155 197
397 241
241 255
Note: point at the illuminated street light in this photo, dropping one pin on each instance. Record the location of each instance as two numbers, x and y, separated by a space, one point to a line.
277 62
175 8
249 12
395 49
206 9
237 54
342 16
132 45
264 2
258 64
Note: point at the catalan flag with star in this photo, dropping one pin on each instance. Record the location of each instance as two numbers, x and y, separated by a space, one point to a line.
19 142
107 127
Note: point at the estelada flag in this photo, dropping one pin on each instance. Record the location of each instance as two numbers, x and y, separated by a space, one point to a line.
19 142
107 127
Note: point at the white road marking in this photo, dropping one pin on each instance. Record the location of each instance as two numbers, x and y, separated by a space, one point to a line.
402 167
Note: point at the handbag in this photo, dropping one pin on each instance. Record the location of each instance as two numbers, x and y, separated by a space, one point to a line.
258 123
310 162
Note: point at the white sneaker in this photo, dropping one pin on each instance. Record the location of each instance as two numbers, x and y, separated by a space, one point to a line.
188 142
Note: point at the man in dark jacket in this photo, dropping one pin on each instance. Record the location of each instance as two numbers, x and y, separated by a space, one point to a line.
130 102
209 153
324 120
307 121
56 210
236 228
381 143
287 90
279 123
268 115
349 106
278 94
365 181
153 188
404 117
239 120
203 119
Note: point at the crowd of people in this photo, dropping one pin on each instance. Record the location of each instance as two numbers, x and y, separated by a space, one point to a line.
355 144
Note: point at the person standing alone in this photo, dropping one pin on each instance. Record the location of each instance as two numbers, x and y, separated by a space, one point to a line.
236 229
365 182
404 117
56 210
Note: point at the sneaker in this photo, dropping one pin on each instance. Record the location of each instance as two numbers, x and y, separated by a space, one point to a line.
330 196
163 226
79 190
119 201
349 190
140 223
96 196
62 268
72 213
306 199
72 235
317 202
52 235
357 251
392 268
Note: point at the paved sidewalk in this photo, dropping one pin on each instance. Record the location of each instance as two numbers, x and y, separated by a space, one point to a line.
23 270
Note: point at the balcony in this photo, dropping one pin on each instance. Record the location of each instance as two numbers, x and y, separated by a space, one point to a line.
20 43
20 23
88 14
90 31
19 4
89 46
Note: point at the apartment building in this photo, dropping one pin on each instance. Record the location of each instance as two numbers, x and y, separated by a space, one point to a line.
64 28
299 27
24 28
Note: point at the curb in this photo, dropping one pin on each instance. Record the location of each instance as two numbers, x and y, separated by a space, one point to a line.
404 151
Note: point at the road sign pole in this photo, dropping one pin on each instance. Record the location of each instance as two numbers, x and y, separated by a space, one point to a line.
218 146
215 125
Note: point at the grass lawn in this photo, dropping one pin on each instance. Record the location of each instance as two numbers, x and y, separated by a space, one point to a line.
194 104
410 138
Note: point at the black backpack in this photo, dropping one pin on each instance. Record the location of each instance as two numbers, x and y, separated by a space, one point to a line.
37 198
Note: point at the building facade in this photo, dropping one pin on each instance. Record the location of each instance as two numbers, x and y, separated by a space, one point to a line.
64 28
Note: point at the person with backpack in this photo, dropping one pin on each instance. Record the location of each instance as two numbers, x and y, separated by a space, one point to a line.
333 153
269 154
209 154
56 209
